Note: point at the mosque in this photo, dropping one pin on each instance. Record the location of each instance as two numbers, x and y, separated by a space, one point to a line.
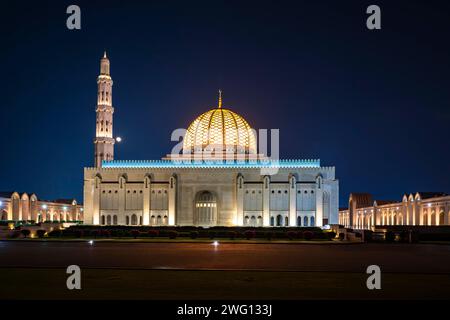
219 178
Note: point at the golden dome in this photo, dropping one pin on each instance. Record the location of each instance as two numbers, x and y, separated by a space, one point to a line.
221 129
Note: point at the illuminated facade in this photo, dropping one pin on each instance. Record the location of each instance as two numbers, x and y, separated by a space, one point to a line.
197 187
15 206
419 209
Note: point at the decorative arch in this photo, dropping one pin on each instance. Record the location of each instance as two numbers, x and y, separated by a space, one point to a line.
205 208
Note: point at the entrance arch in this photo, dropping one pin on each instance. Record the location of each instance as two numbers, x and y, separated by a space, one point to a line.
205 209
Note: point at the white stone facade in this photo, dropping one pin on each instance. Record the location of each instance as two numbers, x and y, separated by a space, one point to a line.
150 195
15 206
419 209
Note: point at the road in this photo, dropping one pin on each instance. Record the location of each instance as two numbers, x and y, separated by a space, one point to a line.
420 258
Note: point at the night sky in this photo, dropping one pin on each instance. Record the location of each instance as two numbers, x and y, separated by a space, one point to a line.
374 104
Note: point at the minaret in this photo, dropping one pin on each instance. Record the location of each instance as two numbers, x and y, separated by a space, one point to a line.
104 141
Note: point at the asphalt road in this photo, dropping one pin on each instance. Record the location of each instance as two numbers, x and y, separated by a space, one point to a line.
404 258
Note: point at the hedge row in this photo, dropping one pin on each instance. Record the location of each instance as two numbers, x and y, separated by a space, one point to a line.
193 234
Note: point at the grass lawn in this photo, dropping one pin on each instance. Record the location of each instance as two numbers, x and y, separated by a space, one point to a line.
29 283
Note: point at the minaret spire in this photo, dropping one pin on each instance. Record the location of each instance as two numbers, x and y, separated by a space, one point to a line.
104 141
220 99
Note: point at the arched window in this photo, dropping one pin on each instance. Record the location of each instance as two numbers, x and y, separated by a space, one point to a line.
128 220
441 218
425 219
272 221
108 219
299 221
103 219
260 221
133 220
311 222
433 218
286 221
140 220
158 220
115 219
165 220
305 221
253 221
279 220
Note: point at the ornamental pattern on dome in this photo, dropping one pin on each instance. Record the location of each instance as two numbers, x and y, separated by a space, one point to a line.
222 130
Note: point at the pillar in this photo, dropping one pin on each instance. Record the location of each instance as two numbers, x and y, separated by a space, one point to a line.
292 201
146 200
239 218
266 201
172 199
319 201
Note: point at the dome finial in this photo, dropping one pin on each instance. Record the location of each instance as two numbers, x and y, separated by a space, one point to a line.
104 54
220 99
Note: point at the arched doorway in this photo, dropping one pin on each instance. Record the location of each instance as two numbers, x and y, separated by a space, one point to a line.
279 220
4 215
205 209
441 218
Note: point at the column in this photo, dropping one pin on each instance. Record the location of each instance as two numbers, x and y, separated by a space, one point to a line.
292 201
95 200
266 201
121 213
319 201
146 199
239 219
172 199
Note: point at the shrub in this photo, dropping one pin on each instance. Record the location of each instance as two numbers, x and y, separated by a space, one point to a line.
232 235
194 234
55 233
291 235
172 234
78 233
212 234
25 232
134 233
331 235
40 233
368 235
105 233
341 236
270 235
308 235
153 233
249 234
14 234
94 233
389 236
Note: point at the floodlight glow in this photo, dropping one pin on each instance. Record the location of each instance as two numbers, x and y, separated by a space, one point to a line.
119 139
91 242
215 243
44 206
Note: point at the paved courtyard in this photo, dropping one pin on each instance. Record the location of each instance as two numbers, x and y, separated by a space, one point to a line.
242 271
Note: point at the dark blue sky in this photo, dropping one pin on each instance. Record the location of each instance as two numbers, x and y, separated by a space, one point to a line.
373 104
